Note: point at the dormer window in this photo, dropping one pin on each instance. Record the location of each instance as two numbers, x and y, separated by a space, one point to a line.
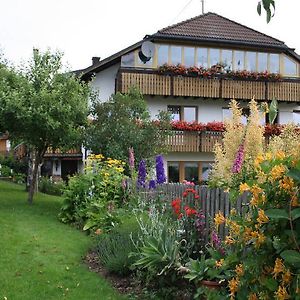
290 67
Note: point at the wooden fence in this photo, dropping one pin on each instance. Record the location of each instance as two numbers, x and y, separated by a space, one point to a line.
211 201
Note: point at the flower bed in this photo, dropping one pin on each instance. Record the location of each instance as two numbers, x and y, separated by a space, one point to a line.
215 70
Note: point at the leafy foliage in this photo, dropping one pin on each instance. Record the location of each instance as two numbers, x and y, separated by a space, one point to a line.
50 187
124 122
92 199
267 5
42 107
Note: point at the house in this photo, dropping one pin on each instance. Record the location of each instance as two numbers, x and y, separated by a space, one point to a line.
234 61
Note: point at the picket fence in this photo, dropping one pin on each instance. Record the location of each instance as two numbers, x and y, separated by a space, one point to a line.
211 201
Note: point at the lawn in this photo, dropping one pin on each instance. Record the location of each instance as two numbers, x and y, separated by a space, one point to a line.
41 258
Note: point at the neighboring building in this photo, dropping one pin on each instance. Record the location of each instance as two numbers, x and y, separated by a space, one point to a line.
204 41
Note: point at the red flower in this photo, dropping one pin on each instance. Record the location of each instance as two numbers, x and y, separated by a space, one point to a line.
184 194
176 204
196 197
189 211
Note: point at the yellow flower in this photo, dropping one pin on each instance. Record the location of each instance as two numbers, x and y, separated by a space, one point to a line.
268 156
260 240
106 174
262 217
280 154
253 202
278 267
219 263
233 285
233 212
281 293
252 296
244 187
219 218
287 183
277 172
229 240
294 200
259 159
287 277
234 228
256 190
239 270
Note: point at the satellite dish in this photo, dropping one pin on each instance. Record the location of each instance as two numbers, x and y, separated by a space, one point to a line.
147 51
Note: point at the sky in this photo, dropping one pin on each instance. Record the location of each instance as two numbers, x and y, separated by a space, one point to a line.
83 29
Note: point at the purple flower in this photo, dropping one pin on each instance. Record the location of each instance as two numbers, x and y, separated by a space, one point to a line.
160 170
239 159
131 158
216 242
152 184
141 181
200 222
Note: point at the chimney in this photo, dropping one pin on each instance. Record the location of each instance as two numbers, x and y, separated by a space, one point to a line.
95 60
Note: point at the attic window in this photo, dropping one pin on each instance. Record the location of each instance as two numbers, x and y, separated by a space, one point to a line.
127 60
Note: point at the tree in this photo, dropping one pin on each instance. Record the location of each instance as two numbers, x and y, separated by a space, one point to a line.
42 107
124 122
267 6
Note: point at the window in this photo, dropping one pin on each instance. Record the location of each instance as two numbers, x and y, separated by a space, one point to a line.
239 60
190 114
274 63
290 67
251 61
296 117
127 60
175 55
262 60
214 55
173 172
162 55
183 113
189 56
227 59
202 57
175 112
191 171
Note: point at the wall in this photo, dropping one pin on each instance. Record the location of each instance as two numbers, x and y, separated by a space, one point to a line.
104 82
211 109
208 109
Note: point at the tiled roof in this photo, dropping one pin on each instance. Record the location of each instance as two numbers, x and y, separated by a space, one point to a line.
213 27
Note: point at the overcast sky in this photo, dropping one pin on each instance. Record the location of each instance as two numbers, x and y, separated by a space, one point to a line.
85 28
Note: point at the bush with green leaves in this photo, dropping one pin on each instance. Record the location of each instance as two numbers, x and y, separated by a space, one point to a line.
13 168
48 186
93 200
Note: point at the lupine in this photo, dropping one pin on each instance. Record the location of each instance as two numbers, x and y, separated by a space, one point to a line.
141 181
152 184
239 159
160 170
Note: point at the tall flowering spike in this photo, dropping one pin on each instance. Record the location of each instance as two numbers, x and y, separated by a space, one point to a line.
152 184
239 159
131 158
141 181
160 170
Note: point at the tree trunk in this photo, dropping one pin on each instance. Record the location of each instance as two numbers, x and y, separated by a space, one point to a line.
36 158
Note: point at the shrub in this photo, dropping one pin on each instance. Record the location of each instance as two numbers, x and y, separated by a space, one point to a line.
48 186
114 248
93 199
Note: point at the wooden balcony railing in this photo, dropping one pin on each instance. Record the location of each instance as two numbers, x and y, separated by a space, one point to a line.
193 141
150 83
57 152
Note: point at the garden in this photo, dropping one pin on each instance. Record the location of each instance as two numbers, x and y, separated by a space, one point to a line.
169 247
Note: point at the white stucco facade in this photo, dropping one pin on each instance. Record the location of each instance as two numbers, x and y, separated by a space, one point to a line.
104 82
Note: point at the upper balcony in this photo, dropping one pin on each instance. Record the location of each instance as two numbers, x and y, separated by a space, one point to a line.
219 86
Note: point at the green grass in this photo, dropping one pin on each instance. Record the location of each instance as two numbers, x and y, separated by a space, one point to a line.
41 258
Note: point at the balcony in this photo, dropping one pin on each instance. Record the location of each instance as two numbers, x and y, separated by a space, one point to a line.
150 83
193 141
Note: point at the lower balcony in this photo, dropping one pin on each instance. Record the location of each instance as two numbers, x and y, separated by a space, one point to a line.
72 153
193 141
